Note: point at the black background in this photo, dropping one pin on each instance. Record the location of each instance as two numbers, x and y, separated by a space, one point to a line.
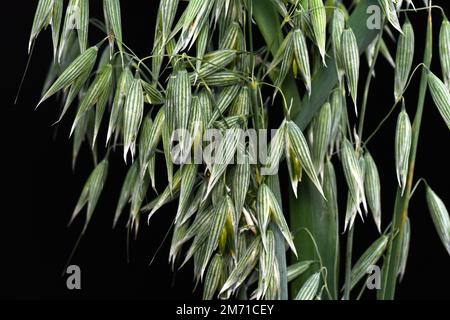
41 189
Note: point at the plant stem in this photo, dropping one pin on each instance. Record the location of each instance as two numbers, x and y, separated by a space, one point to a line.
391 264
348 263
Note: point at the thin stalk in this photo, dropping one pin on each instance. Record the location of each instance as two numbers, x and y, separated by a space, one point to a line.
367 84
390 268
348 263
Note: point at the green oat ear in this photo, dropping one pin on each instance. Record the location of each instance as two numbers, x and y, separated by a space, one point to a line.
321 130
391 13
310 288
405 249
243 268
302 57
125 193
369 258
213 277
355 180
372 188
91 192
132 117
441 97
403 137
76 19
404 59
297 269
76 69
114 22
42 18
95 94
444 51
440 217
319 25
295 141
350 60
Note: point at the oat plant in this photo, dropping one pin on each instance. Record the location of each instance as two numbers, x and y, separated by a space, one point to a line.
207 71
